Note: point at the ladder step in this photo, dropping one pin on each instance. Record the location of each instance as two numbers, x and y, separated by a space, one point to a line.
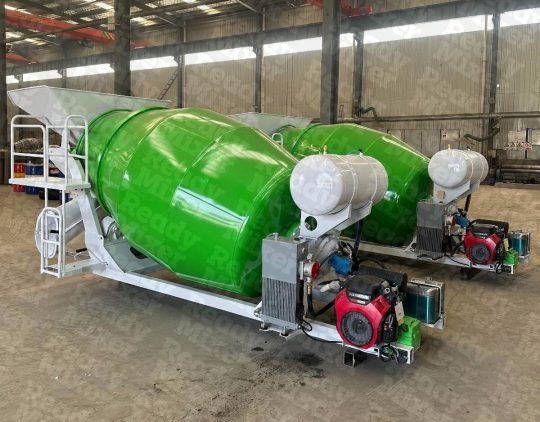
168 85
51 242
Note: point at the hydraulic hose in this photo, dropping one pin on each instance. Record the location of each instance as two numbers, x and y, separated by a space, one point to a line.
489 136
467 203
362 110
356 247
312 312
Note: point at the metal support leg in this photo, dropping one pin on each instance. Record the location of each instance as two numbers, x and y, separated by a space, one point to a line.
122 46
493 75
330 61
3 83
353 357
63 72
181 69
258 50
358 73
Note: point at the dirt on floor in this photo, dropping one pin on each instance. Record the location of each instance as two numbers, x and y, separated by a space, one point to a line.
88 348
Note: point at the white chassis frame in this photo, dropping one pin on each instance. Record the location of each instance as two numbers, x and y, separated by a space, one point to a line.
408 252
113 258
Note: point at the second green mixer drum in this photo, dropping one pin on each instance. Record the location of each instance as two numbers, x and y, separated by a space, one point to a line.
393 220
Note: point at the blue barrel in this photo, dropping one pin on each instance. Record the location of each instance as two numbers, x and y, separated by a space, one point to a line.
33 170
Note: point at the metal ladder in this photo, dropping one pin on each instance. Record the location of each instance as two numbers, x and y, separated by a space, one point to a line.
168 85
52 236
52 239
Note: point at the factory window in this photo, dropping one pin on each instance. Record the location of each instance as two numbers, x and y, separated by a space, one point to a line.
41 76
154 63
96 69
10 79
427 29
520 17
301 46
297 46
220 55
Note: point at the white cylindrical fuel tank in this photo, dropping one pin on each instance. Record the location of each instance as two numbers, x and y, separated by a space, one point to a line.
326 184
451 168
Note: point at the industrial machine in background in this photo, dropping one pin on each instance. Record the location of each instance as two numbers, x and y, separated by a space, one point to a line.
221 205
519 166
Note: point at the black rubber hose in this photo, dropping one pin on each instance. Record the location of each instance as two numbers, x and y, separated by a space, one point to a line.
495 131
312 312
455 248
362 110
467 203
356 247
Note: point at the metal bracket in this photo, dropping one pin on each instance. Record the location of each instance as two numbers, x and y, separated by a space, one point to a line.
451 195
353 357
338 221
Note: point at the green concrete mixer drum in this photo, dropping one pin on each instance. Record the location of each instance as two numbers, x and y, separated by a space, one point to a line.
393 220
194 190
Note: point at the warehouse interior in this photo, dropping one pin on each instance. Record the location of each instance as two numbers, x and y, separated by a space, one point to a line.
131 319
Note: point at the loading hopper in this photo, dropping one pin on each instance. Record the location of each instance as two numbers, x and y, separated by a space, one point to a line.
270 123
52 105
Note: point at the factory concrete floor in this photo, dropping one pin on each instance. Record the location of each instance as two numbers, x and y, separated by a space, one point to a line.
87 348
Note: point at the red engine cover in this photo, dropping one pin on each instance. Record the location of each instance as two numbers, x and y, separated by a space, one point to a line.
481 251
374 312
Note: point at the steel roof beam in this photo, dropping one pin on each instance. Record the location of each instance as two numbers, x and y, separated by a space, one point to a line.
178 7
248 5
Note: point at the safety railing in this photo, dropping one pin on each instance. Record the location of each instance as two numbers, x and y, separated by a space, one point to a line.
46 181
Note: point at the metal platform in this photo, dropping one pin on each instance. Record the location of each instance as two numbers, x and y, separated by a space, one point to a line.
50 183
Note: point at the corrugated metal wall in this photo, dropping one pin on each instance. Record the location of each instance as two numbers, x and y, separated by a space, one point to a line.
292 83
150 83
435 75
226 87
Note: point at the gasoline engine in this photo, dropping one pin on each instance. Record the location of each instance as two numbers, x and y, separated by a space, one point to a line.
369 310
484 242
444 230
334 192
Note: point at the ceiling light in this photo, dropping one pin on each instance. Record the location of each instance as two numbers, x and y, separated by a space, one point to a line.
104 5
190 1
207 9
18 10
143 21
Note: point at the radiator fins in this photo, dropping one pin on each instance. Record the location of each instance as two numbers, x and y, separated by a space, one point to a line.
429 241
279 301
